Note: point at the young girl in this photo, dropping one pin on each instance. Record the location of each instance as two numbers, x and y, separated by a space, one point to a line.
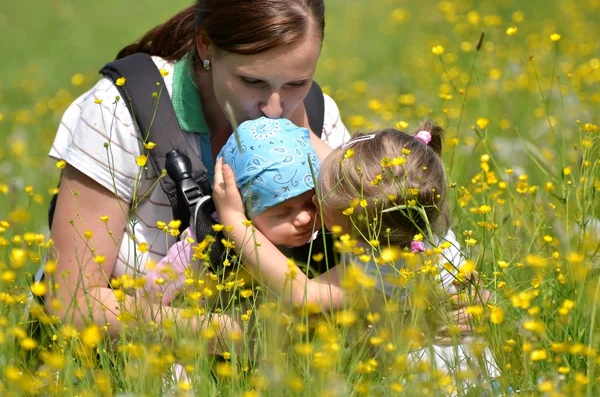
387 190
386 181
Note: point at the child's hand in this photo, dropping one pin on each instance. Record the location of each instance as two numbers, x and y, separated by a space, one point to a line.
169 274
226 196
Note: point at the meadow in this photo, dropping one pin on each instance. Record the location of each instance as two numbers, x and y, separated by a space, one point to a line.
516 87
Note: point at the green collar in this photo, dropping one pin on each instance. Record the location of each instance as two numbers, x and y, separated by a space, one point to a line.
186 99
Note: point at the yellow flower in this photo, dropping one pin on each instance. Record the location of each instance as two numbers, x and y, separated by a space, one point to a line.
149 145
482 122
555 37
497 315
470 242
437 50
246 222
99 259
336 230
538 355
512 31
120 81
349 153
588 127
398 160
348 211
401 125
485 209
346 318
143 247
247 293
61 164
141 160
28 343
17 257
104 218
98 101
91 336
77 79
38 289
217 227
163 72
363 203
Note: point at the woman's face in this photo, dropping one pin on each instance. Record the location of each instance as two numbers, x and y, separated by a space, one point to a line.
272 84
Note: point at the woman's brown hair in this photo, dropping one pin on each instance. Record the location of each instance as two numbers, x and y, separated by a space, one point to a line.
243 27
401 178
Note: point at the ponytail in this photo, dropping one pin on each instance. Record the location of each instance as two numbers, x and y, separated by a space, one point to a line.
170 40
437 135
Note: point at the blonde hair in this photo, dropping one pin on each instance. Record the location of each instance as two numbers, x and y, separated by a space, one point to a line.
401 178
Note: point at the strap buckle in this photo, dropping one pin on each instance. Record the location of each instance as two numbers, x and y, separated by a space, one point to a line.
190 191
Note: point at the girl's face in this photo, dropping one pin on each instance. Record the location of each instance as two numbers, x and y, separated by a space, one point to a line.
331 217
272 84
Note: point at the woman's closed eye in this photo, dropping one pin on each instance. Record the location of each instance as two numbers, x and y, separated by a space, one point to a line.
296 84
251 80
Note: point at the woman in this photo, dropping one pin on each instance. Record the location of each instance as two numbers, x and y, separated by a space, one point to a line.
258 56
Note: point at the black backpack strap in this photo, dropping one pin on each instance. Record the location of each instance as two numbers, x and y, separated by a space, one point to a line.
146 96
314 103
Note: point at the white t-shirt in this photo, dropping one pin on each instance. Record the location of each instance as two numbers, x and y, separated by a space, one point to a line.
385 275
99 140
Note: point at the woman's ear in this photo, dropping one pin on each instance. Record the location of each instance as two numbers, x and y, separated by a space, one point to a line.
204 46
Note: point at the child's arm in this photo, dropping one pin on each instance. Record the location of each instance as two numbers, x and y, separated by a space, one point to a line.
265 262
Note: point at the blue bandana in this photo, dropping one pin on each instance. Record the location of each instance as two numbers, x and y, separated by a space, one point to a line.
273 163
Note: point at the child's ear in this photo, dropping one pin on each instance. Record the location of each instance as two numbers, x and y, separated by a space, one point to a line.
315 201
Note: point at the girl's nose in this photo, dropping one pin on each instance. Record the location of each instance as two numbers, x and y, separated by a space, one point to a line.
304 218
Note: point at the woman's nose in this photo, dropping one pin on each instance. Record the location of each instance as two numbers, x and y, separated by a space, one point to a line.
273 107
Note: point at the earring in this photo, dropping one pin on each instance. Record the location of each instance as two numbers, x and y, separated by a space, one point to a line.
206 65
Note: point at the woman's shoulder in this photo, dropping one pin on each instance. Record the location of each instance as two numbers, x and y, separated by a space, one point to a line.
334 132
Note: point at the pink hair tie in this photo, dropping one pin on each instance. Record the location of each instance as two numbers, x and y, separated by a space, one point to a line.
417 246
423 136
